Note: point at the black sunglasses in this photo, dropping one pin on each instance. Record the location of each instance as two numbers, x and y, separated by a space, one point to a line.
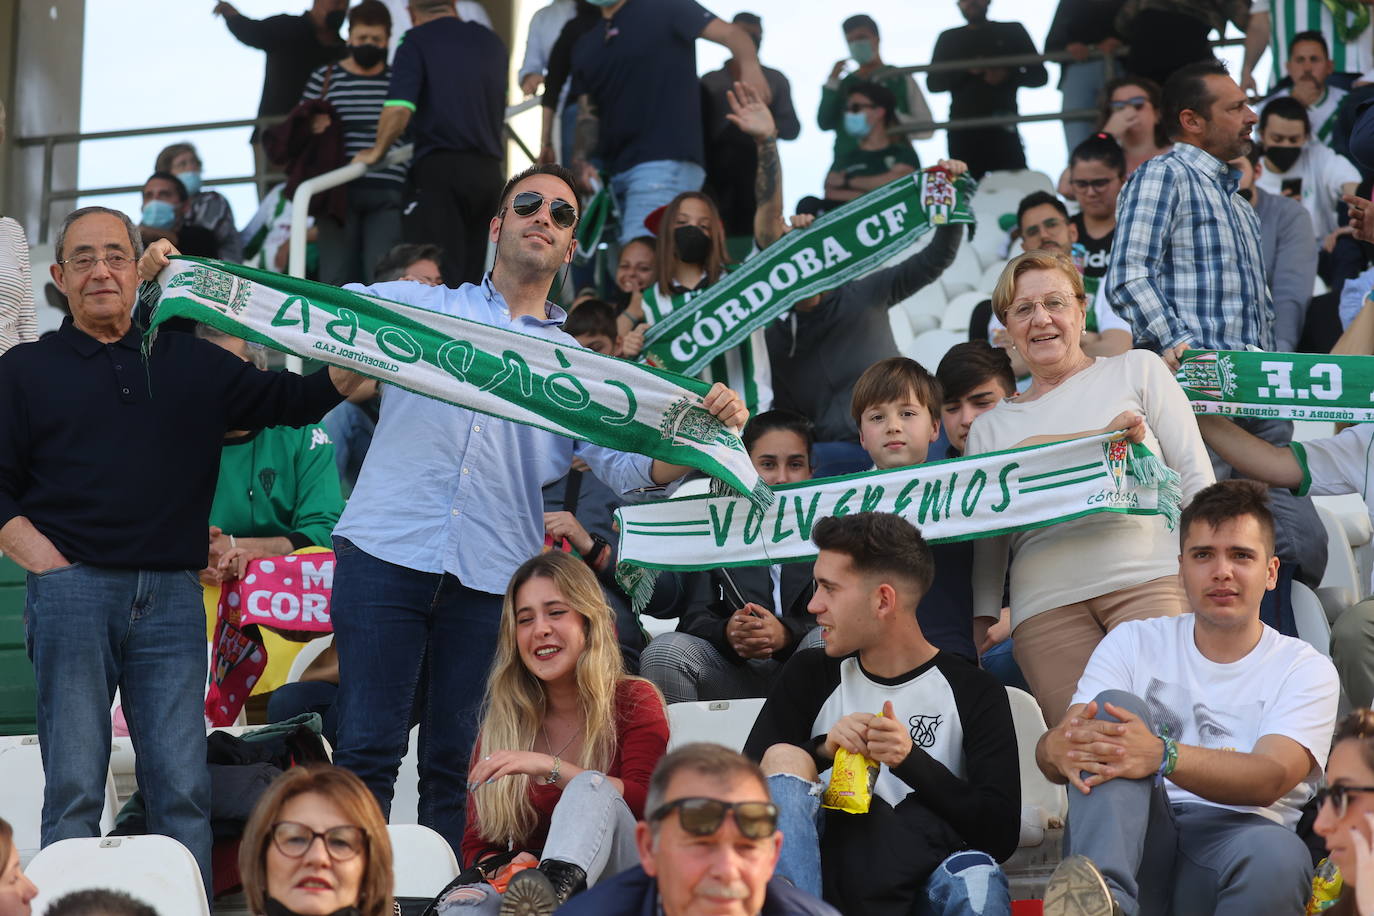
703 816
1340 796
527 203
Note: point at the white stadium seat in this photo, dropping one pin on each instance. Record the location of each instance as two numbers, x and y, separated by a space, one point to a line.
1043 804
923 308
726 722
959 310
422 860
962 275
1310 618
1021 181
157 870
1340 586
929 348
21 793
309 652
405 799
902 334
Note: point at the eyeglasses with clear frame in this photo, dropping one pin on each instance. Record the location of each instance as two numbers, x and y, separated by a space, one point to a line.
85 263
1023 311
342 843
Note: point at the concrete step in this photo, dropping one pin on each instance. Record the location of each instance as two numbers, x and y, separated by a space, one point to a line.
1029 868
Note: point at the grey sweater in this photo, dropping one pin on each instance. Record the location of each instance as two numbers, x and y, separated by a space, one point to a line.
1290 263
818 355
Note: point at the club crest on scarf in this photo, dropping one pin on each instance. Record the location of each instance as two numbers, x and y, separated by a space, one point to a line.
1211 374
937 195
215 287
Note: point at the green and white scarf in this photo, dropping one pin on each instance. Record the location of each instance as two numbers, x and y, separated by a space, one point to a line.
564 389
1280 386
955 500
839 247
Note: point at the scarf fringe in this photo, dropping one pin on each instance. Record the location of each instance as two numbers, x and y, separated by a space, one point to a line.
1147 468
761 495
638 583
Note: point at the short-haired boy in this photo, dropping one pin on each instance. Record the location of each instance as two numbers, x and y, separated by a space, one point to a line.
974 377
896 406
946 800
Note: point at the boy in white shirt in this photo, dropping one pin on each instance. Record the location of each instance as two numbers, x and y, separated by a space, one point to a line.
1193 742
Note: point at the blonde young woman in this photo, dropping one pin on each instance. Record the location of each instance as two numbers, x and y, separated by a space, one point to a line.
1074 581
565 749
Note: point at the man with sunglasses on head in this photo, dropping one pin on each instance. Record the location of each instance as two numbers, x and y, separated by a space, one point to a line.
447 505
708 844
946 802
1193 742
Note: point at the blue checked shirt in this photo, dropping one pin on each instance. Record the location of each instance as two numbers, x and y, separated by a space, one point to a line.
446 489
1186 262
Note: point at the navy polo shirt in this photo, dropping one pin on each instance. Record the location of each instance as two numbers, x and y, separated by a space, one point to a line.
640 67
452 75
115 458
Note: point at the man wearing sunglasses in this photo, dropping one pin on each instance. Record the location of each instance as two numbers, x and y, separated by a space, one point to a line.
448 504
1193 742
709 844
946 801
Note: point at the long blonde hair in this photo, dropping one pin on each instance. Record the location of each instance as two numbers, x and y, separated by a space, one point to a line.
515 701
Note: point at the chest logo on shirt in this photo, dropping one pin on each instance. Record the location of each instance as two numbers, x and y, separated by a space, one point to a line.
923 729
268 478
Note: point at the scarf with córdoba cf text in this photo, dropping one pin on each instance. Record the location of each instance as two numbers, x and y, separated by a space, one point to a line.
564 389
1282 386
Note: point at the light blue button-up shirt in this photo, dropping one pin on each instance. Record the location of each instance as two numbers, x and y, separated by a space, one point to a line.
447 489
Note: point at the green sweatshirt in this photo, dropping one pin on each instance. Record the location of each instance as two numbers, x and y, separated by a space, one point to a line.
279 482
830 114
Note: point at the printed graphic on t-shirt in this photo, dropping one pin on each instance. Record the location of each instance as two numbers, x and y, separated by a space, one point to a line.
1177 715
923 730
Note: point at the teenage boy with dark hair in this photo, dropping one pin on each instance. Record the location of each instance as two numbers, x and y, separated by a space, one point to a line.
946 801
896 406
974 377
592 323
1193 742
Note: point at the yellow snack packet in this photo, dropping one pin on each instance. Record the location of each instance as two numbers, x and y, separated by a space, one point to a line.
1326 888
851 783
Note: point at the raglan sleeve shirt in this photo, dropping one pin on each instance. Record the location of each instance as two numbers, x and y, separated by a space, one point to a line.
1336 465
407 77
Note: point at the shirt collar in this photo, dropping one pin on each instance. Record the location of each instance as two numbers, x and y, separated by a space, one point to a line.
86 345
555 313
1212 167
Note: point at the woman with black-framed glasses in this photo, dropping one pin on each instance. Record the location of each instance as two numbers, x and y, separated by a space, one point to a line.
317 845
1345 818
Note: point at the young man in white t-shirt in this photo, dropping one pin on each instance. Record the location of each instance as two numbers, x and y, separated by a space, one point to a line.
1193 742
1332 466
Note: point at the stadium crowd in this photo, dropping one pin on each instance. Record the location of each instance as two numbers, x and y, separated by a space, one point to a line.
1209 763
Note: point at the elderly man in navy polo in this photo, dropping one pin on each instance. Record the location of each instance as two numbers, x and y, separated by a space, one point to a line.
108 463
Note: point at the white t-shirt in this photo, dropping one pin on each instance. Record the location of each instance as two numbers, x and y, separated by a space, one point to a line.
1282 687
1323 171
1289 17
1338 465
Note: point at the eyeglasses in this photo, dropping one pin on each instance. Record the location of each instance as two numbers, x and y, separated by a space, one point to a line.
1339 796
85 263
342 843
1136 101
1049 225
527 203
703 816
1091 184
856 107
1054 305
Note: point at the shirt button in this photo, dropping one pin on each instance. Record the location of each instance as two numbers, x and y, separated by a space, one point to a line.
126 391
477 429
455 511
465 470
118 366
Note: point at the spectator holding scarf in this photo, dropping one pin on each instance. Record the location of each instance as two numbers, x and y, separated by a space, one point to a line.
565 749
1058 616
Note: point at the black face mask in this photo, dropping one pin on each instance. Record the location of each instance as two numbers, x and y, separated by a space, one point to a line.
692 244
1283 157
367 56
334 19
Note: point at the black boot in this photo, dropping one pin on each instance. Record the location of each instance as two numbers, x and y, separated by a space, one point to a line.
567 879
540 891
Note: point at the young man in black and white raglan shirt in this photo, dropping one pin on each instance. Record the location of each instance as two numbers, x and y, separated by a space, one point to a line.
946 804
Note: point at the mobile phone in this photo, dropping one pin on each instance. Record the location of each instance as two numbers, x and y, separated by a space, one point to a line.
1291 187
731 591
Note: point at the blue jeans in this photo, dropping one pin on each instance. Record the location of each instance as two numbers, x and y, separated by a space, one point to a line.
642 189
391 626
966 883
90 630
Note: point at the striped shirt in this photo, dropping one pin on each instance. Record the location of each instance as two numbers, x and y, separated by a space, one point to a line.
744 368
1289 17
1186 263
18 321
1321 116
358 100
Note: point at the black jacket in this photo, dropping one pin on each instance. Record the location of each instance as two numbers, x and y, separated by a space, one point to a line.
709 606
634 893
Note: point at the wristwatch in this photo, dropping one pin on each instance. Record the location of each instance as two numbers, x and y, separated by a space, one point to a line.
552 778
